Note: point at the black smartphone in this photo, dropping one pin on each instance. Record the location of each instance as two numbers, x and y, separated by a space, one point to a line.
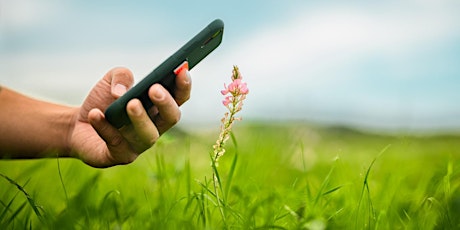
192 52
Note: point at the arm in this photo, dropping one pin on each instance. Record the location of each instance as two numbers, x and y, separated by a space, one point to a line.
31 128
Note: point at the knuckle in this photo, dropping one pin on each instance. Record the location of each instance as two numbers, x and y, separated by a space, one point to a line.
175 119
125 160
153 140
122 74
185 98
115 140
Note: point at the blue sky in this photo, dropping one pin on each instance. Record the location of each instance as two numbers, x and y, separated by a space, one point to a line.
387 64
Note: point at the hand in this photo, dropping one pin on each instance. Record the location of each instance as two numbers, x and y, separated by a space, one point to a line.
99 144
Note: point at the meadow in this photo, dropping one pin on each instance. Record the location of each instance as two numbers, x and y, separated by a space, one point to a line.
272 176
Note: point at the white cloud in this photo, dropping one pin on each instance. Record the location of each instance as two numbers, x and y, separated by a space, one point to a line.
27 13
317 40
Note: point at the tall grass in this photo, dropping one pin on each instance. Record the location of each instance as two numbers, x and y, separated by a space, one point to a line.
273 176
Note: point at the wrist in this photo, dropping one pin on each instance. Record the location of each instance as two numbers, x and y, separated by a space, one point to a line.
69 120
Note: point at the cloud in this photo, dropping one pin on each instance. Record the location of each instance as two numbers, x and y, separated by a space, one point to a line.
349 62
318 39
24 14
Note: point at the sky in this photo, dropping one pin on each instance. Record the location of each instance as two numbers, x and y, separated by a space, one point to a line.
386 65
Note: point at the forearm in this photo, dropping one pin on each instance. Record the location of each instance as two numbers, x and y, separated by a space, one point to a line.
31 128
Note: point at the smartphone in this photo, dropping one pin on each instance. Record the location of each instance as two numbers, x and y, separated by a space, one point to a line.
192 52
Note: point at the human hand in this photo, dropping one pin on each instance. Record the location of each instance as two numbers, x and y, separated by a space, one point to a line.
97 143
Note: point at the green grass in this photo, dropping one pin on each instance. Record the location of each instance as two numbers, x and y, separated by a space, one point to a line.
282 176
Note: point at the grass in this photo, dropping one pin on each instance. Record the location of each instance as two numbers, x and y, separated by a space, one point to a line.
278 176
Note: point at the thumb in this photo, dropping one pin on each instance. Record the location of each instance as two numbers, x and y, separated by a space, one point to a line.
121 79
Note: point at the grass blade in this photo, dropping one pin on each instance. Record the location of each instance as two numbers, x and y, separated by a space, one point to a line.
29 198
15 213
332 190
7 208
62 181
365 190
323 186
231 173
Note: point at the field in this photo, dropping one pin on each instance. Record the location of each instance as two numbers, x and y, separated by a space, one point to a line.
273 176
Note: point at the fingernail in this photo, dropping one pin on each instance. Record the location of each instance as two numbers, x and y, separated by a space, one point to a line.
158 95
119 89
189 77
137 110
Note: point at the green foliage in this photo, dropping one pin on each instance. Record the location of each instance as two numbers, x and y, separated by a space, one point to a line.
278 176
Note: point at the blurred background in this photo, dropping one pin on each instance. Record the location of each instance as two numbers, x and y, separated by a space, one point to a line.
380 65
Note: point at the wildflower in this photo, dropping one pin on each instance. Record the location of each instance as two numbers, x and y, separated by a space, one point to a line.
234 93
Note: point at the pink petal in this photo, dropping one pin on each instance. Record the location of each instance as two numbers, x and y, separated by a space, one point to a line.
244 88
227 100
225 91
232 87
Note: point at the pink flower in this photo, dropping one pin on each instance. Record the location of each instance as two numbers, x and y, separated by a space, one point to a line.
237 87
235 93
